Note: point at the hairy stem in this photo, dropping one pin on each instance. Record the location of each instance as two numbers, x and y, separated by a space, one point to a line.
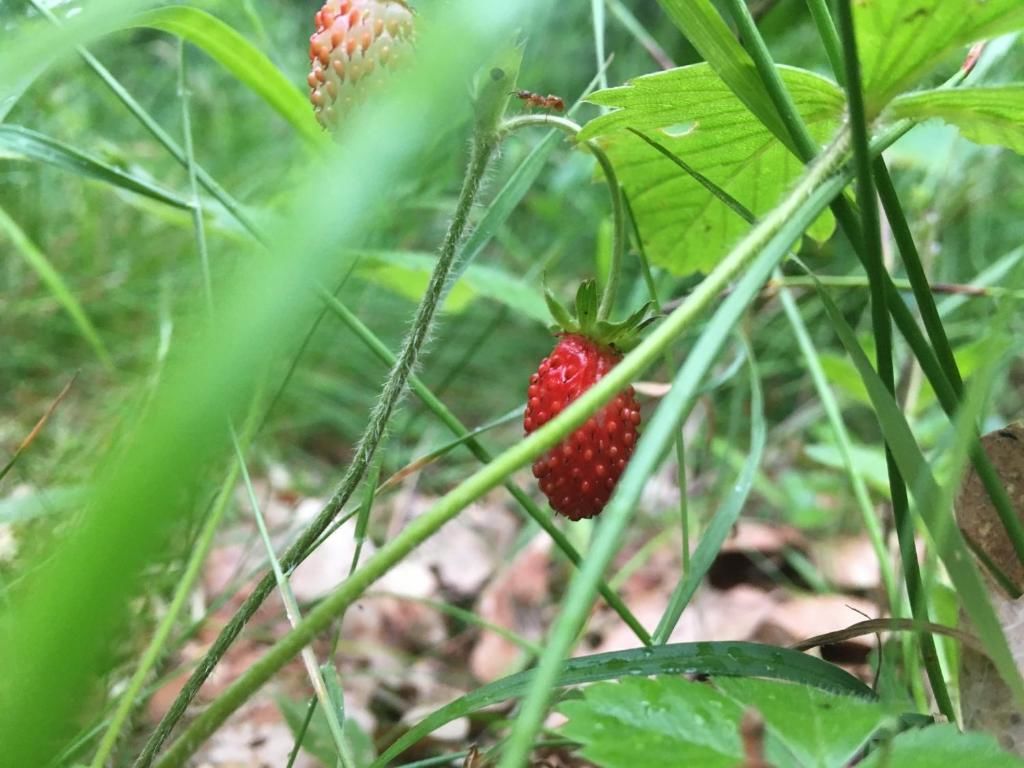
619 236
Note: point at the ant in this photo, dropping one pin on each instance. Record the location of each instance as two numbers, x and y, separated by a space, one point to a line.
535 100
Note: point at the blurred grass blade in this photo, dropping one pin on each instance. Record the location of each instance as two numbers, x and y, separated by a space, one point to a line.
35 146
726 515
33 45
243 60
945 534
728 659
37 260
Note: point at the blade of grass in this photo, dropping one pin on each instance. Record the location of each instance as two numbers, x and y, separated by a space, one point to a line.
843 445
632 25
155 649
829 36
597 18
291 608
246 63
727 514
871 233
49 276
35 146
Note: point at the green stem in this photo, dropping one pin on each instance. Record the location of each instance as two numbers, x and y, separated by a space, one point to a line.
842 438
484 144
829 36
291 609
881 324
488 477
607 303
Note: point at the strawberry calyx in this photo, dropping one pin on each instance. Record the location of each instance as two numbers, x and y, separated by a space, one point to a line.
583 319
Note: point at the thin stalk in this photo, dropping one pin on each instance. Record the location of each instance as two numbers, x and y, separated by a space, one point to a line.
835 419
483 146
519 455
291 609
829 36
776 89
881 323
198 224
680 442
607 303
968 290
597 16
626 18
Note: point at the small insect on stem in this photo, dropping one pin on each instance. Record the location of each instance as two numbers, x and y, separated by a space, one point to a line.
535 100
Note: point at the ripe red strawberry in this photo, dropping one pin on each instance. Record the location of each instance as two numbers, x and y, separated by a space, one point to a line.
355 40
579 474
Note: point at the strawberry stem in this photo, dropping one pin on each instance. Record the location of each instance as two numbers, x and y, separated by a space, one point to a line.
604 309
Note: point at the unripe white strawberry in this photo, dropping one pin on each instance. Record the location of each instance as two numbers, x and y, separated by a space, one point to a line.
355 41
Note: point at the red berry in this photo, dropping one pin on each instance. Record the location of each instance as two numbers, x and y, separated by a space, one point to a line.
354 41
579 474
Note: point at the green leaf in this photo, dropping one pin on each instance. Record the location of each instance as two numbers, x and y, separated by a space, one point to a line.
670 721
714 658
243 60
41 265
898 42
692 113
407 273
992 115
663 722
941 745
818 728
26 143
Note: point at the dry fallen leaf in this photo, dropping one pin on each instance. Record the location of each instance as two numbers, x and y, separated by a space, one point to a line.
515 600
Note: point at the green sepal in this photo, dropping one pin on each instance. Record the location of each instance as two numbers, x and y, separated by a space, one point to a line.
586 304
623 335
563 318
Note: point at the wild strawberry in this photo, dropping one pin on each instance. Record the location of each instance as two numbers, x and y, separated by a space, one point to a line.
579 474
355 41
